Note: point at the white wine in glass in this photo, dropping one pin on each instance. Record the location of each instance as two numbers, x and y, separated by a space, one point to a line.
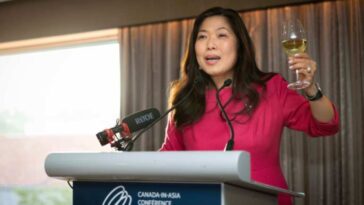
294 46
294 42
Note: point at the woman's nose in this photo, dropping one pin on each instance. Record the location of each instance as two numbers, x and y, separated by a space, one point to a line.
211 44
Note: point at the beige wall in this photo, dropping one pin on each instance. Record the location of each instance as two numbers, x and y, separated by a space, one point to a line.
24 19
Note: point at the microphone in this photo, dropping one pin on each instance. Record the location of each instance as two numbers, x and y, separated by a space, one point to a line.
129 124
129 145
230 144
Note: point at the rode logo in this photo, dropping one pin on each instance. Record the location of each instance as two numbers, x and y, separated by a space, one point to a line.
118 196
144 118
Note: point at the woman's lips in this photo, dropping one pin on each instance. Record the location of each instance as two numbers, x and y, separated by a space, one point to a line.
212 59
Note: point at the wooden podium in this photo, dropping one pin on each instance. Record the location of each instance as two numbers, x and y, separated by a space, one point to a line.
162 178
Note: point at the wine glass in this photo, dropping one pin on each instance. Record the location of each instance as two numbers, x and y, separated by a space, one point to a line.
294 41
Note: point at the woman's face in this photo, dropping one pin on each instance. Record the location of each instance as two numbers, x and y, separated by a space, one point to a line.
216 49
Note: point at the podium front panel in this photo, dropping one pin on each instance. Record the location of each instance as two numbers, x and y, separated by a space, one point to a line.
136 193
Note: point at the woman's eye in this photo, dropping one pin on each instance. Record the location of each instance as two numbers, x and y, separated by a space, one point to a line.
201 36
222 35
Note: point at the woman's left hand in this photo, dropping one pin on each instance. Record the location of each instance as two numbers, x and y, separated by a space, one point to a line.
307 69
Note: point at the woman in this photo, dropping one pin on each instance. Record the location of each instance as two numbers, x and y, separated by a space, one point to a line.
258 104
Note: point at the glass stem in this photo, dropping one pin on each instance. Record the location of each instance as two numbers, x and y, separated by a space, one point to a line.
297 75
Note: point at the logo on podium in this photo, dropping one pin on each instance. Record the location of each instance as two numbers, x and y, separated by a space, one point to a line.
118 196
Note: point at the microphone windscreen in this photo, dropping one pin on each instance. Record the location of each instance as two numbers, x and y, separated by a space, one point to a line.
142 119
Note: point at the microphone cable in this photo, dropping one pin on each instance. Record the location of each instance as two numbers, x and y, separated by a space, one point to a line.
230 144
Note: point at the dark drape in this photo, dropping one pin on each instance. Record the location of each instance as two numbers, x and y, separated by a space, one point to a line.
329 169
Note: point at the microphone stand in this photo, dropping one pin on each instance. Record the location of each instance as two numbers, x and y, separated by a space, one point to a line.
123 144
128 145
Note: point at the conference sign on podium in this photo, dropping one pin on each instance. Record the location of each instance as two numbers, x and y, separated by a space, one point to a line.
132 193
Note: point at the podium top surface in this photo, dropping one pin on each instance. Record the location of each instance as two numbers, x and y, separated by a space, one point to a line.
231 167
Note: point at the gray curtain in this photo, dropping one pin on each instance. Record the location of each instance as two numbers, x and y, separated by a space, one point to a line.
150 59
330 170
